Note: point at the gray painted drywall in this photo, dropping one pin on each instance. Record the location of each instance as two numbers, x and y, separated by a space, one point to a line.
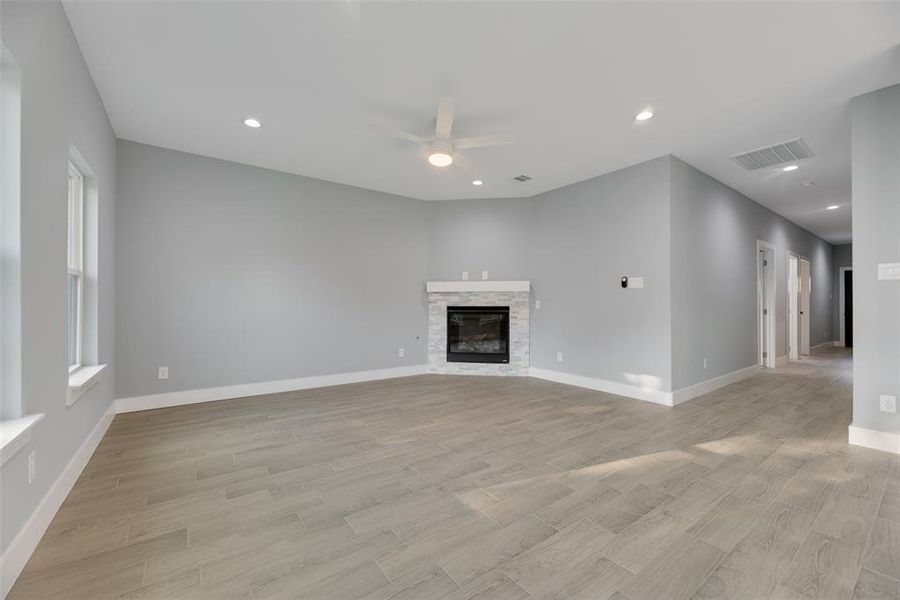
60 106
714 233
875 125
479 235
843 257
231 274
584 238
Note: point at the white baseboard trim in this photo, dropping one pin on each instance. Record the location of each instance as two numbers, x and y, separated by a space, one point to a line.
705 387
603 385
823 345
228 392
838 344
874 439
21 548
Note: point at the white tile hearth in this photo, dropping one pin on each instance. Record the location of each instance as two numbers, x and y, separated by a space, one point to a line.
519 344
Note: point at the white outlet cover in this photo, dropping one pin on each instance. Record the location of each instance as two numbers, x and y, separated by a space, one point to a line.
465 275
162 373
559 357
484 274
401 352
537 304
888 403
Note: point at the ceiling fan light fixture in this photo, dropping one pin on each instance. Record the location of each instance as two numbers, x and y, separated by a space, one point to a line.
440 159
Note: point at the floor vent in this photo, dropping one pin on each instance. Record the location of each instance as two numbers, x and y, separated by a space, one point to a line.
522 178
773 156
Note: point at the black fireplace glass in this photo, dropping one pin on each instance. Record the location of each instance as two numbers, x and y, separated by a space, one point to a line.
478 334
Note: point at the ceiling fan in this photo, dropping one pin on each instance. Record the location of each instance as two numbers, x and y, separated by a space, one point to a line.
441 149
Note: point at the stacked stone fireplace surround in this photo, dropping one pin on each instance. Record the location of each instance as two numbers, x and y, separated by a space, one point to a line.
519 351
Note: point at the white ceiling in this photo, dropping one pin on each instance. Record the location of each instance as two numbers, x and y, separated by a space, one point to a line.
565 79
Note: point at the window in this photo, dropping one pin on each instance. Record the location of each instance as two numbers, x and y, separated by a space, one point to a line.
76 266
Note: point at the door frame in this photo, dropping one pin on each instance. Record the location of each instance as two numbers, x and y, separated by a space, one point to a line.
767 303
799 257
792 325
842 293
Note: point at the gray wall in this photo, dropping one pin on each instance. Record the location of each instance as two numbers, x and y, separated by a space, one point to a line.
574 244
585 237
60 106
843 257
231 274
875 123
479 235
714 233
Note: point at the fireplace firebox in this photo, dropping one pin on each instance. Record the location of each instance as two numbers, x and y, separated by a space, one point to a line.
478 334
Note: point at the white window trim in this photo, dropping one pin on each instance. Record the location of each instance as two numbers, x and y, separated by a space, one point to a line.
77 259
15 434
81 381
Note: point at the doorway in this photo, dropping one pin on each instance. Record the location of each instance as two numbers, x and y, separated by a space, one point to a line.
846 302
799 284
765 302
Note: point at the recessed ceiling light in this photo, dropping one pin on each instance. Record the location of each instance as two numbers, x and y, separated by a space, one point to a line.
477 182
832 207
440 159
644 115
790 168
251 122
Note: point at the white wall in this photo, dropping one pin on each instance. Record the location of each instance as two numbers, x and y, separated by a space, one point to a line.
60 107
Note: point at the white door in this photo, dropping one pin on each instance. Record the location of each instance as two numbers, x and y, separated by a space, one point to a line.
766 306
793 308
804 306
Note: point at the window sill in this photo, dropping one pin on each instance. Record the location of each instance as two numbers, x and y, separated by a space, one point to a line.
81 381
15 433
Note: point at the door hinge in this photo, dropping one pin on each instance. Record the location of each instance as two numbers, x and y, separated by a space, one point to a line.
765 355
765 311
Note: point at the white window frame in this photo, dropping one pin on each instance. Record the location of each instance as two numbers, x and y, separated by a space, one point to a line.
75 256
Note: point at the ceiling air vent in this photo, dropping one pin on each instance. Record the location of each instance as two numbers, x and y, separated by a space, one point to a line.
522 178
773 156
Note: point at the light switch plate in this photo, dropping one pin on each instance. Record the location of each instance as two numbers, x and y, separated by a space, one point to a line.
162 373
465 276
537 304
635 282
559 357
889 271
888 403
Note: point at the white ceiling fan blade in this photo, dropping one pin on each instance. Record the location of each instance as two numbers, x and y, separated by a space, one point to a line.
463 163
482 141
444 118
403 135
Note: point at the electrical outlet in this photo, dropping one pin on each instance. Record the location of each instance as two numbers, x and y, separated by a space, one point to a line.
559 357
888 404
465 276
537 304
32 467
162 373
484 274
401 352
705 363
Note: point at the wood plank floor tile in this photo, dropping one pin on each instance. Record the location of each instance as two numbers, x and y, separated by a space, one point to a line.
438 486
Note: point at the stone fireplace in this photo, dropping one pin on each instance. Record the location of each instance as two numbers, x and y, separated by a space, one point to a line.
478 327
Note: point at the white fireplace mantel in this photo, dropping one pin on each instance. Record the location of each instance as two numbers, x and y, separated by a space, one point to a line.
477 286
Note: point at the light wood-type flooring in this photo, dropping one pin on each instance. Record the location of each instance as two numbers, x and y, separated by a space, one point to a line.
475 487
